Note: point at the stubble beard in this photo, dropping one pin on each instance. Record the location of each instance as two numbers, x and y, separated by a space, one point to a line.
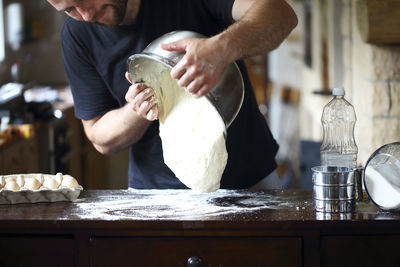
118 9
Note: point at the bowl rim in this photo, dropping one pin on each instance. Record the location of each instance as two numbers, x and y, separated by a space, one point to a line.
375 153
169 64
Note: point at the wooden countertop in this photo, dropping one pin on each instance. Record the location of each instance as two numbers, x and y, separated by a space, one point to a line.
182 228
185 208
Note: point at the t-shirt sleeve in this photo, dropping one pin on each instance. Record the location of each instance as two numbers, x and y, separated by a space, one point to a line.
90 93
220 9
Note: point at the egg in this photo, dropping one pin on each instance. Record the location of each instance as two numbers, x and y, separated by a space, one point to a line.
50 183
12 185
32 184
69 182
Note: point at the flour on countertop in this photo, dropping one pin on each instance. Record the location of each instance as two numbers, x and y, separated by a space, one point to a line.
176 204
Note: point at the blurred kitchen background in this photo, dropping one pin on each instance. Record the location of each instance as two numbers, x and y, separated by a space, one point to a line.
349 43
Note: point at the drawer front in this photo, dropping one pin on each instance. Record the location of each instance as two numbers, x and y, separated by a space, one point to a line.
379 250
36 251
164 251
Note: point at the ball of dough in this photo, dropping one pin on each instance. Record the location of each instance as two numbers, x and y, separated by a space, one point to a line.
69 182
50 183
12 185
32 184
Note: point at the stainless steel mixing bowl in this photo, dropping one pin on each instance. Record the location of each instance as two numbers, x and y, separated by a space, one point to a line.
227 96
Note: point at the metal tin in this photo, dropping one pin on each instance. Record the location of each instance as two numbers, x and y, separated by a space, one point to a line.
327 175
333 192
334 189
333 215
334 205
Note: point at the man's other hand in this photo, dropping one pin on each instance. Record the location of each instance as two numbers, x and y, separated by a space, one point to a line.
142 100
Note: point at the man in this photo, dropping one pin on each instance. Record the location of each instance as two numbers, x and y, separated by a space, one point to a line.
100 35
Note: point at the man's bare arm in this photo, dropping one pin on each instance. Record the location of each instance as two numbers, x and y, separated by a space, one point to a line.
122 127
260 27
115 130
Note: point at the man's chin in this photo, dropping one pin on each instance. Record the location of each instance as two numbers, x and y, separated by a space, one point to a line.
111 20
106 24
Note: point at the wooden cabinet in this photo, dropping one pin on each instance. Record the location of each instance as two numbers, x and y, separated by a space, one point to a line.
36 250
208 251
363 250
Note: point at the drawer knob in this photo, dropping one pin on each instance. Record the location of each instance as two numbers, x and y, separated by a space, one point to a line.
194 261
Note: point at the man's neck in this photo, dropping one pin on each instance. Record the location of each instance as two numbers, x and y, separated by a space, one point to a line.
132 10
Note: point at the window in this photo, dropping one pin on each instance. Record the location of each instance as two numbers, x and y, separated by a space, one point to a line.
2 37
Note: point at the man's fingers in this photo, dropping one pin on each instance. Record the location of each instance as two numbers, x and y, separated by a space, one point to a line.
134 90
186 79
144 95
204 89
152 114
129 96
145 104
179 69
148 109
175 46
196 85
128 77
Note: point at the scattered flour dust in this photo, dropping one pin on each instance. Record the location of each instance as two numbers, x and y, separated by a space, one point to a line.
174 204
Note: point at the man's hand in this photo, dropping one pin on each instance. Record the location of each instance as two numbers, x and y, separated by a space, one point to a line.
142 100
120 128
202 66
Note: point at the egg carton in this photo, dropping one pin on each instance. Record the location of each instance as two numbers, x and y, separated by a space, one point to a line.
41 194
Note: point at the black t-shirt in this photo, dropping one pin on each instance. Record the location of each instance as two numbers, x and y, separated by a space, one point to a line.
95 61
